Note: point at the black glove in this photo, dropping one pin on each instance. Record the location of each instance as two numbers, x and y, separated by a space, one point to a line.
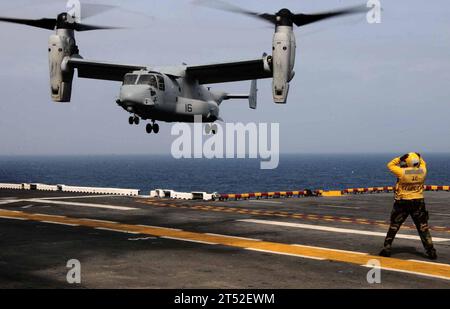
404 157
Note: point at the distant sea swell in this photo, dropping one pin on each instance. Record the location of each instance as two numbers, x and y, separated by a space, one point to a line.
303 171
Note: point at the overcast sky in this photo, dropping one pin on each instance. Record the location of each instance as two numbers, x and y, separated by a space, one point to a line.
358 87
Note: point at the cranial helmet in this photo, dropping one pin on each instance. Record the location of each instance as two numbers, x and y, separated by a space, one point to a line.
413 160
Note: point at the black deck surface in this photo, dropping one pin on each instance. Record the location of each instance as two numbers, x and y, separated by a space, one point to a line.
33 253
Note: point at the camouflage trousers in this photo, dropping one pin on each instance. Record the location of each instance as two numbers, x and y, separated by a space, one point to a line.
401 210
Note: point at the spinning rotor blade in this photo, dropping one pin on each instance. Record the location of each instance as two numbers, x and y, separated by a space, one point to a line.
84 27
305 19
67 20
51 23
284 16
224 6
62 22
91 9
44 23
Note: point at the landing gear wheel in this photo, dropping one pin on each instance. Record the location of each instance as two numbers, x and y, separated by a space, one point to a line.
208 129
149 128
131 120
136 120
214 129
156 128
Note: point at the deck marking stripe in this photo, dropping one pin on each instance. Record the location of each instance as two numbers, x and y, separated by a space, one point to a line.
52 216
96 220
13 218
265 202
290 254
4 202
415 267
141 238
115 230
7 199
428 262
158 227
334 229
408 272
337 206
441 214
363 221
337 250
81 204
189 240
237 237
60 223
74 197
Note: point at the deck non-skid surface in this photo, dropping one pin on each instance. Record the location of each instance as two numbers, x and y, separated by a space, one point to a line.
124 242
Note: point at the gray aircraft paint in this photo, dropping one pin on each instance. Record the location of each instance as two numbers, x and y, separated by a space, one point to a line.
179 98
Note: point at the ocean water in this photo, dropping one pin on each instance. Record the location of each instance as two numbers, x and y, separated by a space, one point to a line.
217 175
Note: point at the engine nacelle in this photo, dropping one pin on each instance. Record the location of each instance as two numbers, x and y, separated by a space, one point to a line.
283 60
61 45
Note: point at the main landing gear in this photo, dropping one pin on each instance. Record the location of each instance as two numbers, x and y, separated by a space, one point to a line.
152 127
211 128
133 120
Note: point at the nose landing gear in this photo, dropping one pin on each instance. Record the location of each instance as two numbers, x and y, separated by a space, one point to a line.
150 127
133 120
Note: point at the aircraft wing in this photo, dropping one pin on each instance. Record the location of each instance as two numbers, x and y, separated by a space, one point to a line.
101 70
205 74
230 71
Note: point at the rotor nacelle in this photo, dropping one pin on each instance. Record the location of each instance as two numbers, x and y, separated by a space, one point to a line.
61 45
283 57
283 61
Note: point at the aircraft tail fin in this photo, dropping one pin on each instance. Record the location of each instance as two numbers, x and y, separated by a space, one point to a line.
252 96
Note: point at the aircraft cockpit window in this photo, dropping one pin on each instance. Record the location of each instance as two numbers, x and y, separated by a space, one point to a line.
148 80
130 79
161 83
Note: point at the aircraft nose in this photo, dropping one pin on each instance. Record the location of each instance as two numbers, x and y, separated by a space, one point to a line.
134 93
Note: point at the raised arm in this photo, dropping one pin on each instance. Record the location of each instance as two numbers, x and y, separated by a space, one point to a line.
394 167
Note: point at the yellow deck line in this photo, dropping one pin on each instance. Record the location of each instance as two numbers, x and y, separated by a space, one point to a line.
434 270
379 223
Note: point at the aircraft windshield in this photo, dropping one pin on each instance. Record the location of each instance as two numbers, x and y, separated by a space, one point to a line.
130 79
161 83
148 80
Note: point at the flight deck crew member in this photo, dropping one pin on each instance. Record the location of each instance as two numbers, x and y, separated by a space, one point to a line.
411 171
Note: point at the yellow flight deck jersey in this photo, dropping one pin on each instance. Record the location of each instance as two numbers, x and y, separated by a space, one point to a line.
410 180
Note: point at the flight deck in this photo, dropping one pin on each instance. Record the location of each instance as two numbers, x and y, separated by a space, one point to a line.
142 242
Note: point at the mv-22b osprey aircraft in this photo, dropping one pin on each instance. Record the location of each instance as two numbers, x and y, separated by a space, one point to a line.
176 93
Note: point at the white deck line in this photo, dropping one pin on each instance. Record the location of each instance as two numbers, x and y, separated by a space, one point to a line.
335 229
42 201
